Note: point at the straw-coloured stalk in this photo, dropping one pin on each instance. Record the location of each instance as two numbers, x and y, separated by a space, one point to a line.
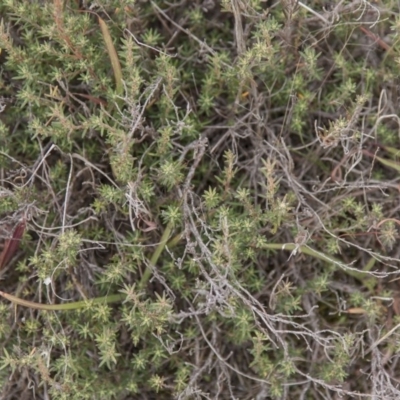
113 56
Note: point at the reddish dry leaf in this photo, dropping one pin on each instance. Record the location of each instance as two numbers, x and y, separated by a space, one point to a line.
12 244
150 225
93 99
396 305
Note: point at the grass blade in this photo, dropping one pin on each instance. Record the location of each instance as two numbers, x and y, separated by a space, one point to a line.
113 56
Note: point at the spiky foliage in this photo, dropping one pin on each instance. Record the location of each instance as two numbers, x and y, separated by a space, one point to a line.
210 192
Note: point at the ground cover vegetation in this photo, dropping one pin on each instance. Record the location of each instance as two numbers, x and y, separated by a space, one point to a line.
199 199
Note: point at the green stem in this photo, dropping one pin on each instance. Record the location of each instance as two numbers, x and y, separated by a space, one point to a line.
153 261
156 255
113 298
358 274
67 306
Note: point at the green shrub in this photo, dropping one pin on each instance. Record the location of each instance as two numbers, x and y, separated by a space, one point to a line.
210 198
